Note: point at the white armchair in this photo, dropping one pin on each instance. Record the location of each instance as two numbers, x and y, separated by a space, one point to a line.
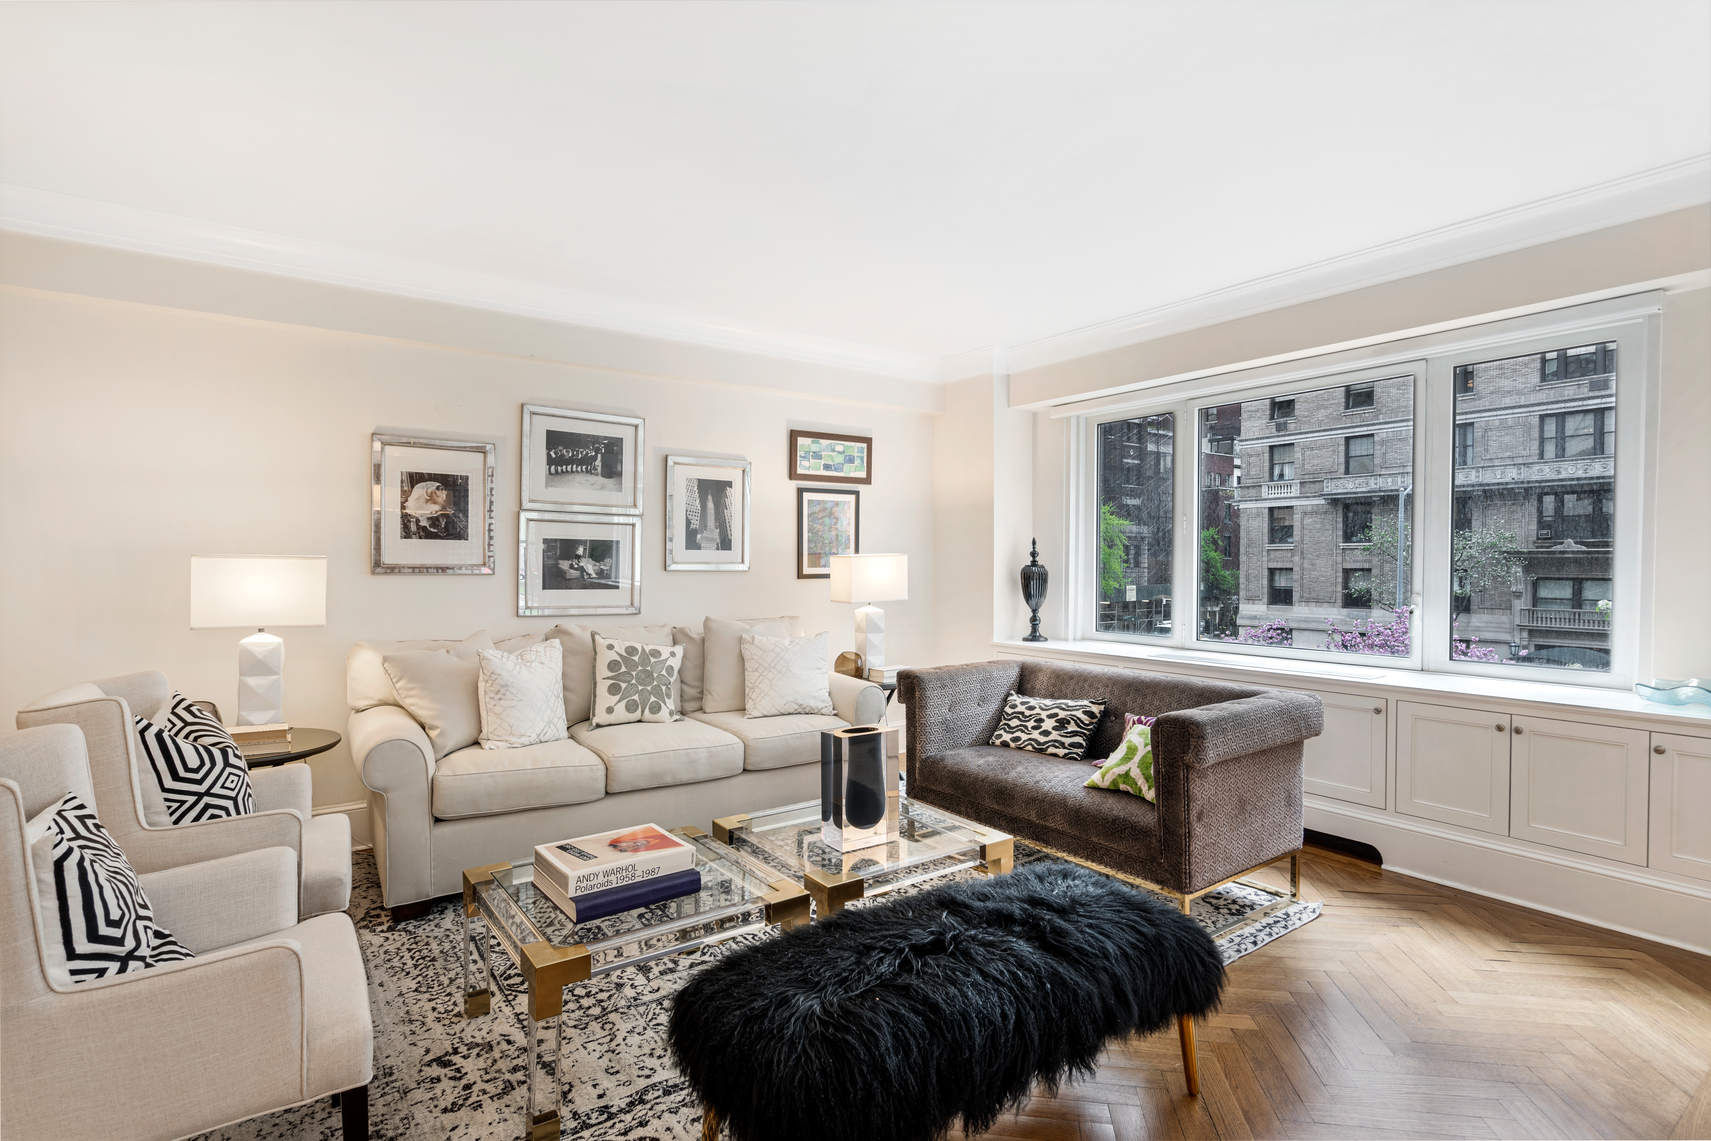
126 797
271 1013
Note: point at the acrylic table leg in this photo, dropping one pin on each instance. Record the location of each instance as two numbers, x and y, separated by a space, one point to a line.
544 1077
477 1000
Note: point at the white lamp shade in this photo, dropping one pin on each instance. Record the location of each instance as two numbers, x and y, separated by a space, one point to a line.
870 578
258 590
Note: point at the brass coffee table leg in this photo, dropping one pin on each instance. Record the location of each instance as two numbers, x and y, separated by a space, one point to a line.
998 858
547 970
476 946
832 890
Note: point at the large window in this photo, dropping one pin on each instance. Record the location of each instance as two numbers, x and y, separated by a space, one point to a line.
1466 501
1532 580
1136 463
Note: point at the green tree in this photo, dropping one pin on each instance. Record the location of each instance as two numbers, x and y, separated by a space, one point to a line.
1216 580
1484 558
1111 580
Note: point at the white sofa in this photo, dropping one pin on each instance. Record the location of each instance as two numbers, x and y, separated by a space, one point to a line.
431 819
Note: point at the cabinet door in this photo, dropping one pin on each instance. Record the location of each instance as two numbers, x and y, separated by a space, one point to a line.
1681 804
1453 765
1580 787
1346 761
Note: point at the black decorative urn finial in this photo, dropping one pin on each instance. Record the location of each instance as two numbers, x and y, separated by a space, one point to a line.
1034 591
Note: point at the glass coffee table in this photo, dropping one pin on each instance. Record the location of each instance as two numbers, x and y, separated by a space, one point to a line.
738 896
929 842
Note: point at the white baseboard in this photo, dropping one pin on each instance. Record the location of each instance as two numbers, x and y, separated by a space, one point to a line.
1632 900
357 810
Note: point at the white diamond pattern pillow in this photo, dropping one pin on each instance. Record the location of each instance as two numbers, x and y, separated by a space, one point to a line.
634 682
522 696
785 675
98 921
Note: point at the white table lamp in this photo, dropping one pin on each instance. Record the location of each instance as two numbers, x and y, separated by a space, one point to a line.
259 591
868 579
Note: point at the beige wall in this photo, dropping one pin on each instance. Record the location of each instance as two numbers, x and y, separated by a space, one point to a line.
963 512
133 436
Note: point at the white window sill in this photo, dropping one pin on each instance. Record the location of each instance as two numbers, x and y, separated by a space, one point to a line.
1414 685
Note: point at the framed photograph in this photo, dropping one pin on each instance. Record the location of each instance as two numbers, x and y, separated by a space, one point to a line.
828 522
431 506
581 461
572 563
825 457
706 514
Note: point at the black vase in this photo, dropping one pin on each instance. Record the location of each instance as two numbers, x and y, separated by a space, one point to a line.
1034 591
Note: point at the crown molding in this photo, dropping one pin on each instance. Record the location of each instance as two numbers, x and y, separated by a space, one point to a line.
53 215
1673 186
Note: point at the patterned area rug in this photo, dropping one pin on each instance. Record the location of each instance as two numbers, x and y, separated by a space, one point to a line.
438 1075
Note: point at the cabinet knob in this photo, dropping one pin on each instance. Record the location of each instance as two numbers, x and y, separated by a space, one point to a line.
1659 750
1500 728
1517 730
1379 710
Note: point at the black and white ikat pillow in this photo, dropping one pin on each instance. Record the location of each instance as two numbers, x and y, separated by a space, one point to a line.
1056 727
98 920
201 771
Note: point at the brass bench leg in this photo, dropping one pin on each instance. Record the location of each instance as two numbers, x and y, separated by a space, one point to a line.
709 1125
1190 1068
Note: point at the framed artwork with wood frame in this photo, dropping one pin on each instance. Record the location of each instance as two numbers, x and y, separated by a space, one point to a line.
828 522
827 457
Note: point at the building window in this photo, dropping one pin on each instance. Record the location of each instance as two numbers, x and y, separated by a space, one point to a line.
1357 588
1464 445
1357 396
1280 526
1283 408
1577 363
1464 379
1357 455
1357 521
1581 516
1574 435
1571 593
1282 462
1280 589
1136 522
1461 513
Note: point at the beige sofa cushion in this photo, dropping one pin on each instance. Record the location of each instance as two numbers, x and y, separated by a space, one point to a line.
722 673
774 742
483 782
648 754
578 642
366 683
690 673
440 689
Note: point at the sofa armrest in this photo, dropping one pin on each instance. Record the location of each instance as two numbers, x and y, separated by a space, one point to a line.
953 707
221 902
395 762
857 700
284 788
390 750
1207 734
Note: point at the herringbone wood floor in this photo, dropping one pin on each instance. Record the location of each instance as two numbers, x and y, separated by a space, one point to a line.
1412 1010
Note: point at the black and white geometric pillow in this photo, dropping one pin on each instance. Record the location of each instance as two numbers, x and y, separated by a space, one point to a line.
103 920
193 723
201 773
1056 727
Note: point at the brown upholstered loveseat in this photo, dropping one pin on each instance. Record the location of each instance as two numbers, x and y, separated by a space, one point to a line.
1227 768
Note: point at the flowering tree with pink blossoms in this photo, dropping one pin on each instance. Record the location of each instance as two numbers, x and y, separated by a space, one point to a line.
1372 636
1272 633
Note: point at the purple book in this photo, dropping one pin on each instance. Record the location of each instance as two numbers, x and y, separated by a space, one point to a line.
626 897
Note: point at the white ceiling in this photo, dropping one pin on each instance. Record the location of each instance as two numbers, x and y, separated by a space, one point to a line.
893 183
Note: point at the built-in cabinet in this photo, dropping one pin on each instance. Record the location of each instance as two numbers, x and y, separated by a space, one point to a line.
1348 760
1681 804
1579 786
1452 765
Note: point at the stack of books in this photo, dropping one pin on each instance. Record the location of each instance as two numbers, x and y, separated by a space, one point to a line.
595 876
261 740
885 675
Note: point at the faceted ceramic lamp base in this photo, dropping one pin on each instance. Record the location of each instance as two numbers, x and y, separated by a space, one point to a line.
261 679
870 635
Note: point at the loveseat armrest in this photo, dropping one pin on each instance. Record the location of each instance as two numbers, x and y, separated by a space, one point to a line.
390 750
857 700
954 707
1207 734
217 903
396 763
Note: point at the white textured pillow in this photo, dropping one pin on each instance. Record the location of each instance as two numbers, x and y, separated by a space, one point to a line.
634 681
522 696
785 675
722 686
439 688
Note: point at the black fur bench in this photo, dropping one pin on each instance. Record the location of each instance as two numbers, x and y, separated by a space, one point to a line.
902 1018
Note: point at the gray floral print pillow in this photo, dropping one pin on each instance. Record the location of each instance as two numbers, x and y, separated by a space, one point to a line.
634 682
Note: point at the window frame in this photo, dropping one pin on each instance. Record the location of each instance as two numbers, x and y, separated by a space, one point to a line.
1344 589
1271 539
1271 587
1370 456
1366 390
1631 322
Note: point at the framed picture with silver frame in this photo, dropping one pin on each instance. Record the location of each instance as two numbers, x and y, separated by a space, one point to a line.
706 514
578 563
581 461
431 506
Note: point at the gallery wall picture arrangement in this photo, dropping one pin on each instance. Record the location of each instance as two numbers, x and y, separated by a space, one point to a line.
706 513
828 457
828 522
431 506
577 563
581 461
